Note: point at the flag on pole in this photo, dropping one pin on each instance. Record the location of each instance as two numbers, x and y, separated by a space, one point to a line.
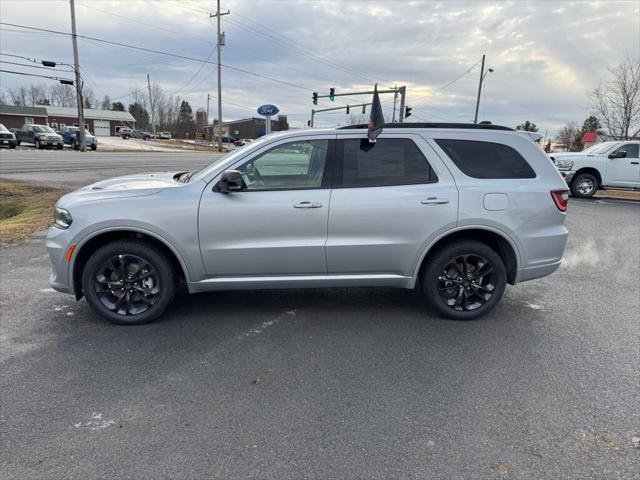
376 120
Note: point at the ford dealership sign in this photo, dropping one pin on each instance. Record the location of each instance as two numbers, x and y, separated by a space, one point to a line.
268 110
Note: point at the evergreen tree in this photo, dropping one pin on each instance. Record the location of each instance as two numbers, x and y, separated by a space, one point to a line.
139 113
527 127
117 106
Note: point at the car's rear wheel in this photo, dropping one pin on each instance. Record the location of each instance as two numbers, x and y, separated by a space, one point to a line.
464 280
129 282
94 147
584 185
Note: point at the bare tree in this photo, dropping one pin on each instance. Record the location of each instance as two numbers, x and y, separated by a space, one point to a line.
18 95
62 95
106 103
617 101
567 135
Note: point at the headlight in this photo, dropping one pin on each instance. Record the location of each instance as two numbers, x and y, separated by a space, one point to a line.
62 218
564 164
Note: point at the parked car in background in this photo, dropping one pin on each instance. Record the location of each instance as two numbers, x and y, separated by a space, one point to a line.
7 138
127 133
605 165
42 136
164 135
454 211
70 137
241 142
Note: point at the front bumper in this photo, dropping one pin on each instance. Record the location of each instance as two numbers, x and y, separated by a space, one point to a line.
58 242
567 175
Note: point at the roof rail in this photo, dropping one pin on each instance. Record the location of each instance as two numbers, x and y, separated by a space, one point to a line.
468 126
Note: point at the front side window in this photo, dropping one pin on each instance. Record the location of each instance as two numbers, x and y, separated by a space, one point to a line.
630 148
290 166
388 161
486 159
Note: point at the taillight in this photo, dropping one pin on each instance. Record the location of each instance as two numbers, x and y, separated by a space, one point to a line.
560 198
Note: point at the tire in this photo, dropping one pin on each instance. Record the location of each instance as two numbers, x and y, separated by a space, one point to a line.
120 263
584 185
17 142
12 146
75 146
94 147
36 143
469 298
60 147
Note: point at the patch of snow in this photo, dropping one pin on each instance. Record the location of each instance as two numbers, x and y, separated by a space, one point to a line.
96 423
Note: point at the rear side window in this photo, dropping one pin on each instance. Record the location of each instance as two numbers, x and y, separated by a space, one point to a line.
388 161
486 159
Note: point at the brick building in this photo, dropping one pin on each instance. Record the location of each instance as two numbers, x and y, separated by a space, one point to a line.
101 123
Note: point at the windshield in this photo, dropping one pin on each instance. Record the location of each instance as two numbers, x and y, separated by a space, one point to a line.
599 148
228 158
3 128
42 129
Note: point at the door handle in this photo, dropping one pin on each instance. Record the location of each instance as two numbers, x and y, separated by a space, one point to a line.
435 201
307 205
634 163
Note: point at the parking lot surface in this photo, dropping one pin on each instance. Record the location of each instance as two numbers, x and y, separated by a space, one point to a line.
360 383
75 169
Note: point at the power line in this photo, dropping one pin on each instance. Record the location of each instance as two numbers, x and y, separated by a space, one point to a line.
34 75
159 52
33 66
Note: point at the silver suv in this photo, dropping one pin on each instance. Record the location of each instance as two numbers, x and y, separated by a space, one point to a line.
456 211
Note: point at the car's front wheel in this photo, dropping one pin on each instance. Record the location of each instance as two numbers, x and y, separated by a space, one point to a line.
464 280
129 282
36 143
584 185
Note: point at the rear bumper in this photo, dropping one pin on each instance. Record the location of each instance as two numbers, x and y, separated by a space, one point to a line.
539 271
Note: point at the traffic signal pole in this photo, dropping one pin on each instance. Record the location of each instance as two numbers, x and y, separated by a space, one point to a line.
346 107
402 91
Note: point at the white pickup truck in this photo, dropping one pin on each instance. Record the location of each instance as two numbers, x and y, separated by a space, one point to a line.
604 165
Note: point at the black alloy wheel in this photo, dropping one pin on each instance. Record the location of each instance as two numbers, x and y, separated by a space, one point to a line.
464 280
129 282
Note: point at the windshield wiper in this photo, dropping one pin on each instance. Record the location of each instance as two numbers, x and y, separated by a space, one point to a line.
185 177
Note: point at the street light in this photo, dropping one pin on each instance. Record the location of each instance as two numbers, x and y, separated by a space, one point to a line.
483 74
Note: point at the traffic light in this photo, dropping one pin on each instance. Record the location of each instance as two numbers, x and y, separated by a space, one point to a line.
347 109
332 93
315 98
407 112
308 123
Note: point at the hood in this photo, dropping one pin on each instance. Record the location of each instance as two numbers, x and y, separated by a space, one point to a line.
569 155
119 187
141 181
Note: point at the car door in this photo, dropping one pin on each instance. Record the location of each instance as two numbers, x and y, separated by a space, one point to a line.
389 200
277 224
623 171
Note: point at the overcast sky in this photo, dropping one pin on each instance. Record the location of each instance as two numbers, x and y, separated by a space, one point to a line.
546 55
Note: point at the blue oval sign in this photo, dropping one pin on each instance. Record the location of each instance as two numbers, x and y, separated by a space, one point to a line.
268 109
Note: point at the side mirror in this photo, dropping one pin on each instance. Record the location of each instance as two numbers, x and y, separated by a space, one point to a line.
618 154
231 181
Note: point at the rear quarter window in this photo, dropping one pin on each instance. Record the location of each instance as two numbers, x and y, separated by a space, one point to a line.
486 159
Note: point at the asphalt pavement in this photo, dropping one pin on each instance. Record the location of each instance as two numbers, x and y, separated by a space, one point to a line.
342 383
69 168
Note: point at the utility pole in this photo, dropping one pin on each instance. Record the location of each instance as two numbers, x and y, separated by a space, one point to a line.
153 119
395 99
403 93
76 66
219 44
475 118
207 121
